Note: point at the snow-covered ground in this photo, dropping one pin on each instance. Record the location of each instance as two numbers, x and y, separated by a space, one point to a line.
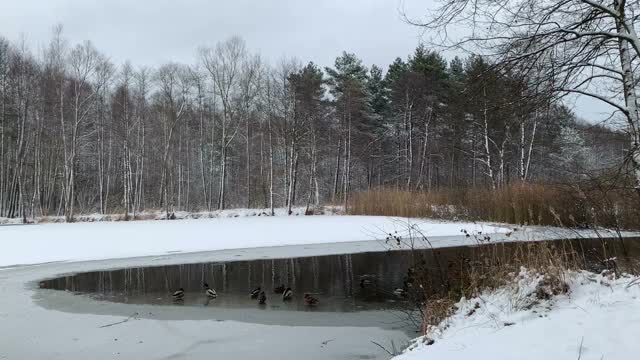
31 330
599 318
42 243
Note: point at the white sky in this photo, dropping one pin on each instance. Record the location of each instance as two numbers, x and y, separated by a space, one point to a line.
150 32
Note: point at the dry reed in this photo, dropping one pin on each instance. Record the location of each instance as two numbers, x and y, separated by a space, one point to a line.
526 204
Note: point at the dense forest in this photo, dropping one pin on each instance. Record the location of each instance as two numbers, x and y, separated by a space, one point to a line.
80 134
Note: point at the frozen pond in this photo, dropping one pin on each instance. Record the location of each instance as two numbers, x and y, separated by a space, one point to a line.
110 312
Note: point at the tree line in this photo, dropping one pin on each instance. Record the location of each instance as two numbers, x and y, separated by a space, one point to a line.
79 134
585 47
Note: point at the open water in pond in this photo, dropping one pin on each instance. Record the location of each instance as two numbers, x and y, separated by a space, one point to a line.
350 283
341 283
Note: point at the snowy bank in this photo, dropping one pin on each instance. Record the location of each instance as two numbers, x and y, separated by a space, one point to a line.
598 318
32 244
181 215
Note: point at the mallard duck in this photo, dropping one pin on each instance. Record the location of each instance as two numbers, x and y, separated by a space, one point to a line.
279 290
210 292
399 292
367 280
310 300
287 294
178 294
255 292
263 298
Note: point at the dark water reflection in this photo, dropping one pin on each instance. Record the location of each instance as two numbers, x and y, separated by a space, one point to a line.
343 283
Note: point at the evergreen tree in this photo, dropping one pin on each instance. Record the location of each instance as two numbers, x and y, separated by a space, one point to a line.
348 84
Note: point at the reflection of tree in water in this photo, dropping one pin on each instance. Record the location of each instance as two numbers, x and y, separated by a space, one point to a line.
333 276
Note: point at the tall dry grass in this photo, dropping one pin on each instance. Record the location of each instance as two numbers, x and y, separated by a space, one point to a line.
526 204
438 280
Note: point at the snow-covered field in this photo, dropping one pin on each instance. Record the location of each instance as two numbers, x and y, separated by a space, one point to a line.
42 243
599 318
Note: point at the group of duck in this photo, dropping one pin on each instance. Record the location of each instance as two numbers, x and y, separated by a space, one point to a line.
257 293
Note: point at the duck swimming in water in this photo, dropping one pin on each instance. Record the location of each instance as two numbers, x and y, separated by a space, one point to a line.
262 299
279 290
178 294
310 300
367 280
287 294
212 294
400 292
255 292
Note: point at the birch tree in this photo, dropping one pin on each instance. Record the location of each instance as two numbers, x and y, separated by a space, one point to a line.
89 71
4 96
123 112
249 89
224 66
173 93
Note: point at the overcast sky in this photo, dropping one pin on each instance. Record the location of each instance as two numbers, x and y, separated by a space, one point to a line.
150 32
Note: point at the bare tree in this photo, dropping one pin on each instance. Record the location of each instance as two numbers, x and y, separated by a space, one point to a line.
585 47
174 86
89 71
250 87
224 66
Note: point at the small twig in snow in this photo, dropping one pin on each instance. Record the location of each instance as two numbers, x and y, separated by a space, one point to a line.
580 348
635 281
383 348
324 343
121 322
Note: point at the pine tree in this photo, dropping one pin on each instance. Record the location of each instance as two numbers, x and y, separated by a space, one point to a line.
348 84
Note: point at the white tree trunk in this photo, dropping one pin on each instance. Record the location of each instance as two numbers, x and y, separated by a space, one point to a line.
271 168
487 149
630 95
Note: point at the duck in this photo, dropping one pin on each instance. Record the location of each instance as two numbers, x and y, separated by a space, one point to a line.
365 283
279 290
287 294
255 292
310 300
210 292
409 278
399 292
263 298
367 280
178 294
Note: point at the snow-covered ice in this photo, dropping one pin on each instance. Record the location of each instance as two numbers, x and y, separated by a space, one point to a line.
41 243
58 325
599 318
